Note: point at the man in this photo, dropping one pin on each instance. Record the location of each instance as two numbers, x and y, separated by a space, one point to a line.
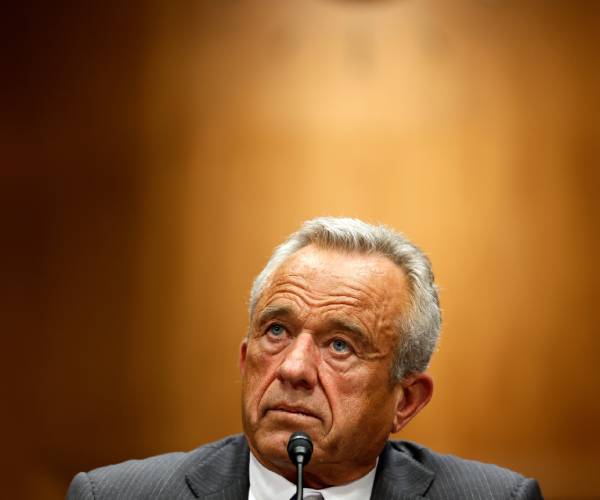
343 321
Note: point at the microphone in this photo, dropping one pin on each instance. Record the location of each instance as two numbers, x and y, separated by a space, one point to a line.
299 450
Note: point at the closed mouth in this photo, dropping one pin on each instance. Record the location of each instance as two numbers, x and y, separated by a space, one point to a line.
293 410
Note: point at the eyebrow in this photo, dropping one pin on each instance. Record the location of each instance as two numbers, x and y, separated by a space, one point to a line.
351 328
271 312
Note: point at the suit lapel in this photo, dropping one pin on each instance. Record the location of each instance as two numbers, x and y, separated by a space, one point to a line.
222 474
399 476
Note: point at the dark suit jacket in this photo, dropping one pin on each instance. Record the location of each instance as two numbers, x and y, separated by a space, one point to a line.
220 471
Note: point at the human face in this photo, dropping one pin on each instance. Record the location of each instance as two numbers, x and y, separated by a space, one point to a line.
318 359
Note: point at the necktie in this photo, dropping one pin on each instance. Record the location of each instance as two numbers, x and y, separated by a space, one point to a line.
310 496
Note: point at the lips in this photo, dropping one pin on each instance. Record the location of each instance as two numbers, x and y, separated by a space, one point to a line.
293 410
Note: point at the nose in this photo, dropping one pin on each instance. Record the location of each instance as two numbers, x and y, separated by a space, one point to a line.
299 366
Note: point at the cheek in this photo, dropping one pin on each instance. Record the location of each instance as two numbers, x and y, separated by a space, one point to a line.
345 393
258 374
356 396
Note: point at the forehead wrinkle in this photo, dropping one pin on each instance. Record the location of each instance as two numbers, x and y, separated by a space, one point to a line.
355 289
349 295
298 287
361 283
310 296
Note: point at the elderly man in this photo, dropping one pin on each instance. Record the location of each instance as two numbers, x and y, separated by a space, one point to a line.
343 321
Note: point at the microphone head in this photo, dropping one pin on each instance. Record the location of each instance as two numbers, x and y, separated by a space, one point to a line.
300 448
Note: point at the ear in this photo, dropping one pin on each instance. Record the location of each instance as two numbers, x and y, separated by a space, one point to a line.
243 351
415 392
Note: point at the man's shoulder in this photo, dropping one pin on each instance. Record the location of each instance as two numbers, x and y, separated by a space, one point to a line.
453 473
158 476
451 463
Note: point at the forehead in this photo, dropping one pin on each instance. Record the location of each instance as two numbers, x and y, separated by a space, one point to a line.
318 277
340 264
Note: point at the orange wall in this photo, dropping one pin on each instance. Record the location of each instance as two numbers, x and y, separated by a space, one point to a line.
157 154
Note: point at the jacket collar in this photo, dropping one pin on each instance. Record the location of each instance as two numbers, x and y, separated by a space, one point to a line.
220 471
399 475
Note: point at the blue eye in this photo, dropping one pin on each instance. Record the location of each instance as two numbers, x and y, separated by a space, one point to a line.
340 346
276 330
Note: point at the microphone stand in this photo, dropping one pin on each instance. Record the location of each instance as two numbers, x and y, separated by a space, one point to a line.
299 485
300 450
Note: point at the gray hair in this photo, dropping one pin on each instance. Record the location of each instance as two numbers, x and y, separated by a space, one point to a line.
418 330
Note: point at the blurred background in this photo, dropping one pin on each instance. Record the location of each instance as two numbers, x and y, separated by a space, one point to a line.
154 153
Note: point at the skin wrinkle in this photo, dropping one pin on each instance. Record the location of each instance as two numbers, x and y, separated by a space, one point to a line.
344 394
334 299
359 287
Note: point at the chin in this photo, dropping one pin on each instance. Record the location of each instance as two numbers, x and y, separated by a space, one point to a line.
269 438
271 446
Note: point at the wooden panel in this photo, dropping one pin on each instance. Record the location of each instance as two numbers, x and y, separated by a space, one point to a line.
176 145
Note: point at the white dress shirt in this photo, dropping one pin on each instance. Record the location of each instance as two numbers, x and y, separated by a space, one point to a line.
267 485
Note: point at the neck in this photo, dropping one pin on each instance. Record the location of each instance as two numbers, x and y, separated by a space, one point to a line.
318 476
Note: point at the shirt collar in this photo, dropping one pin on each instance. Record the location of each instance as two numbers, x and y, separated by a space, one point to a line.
267 485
